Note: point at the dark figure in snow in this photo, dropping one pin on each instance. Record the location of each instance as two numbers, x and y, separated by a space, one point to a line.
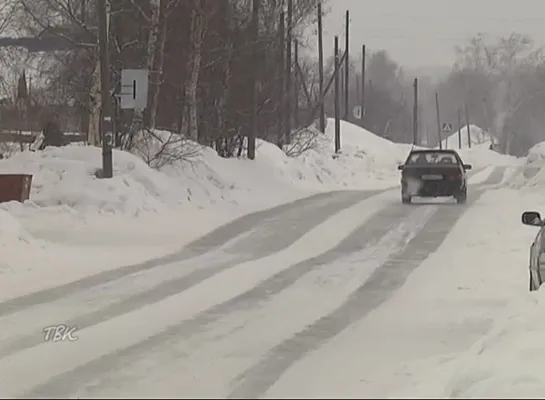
53 136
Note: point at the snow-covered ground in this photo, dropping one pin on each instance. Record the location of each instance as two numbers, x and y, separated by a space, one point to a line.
479 137
75 224
462 325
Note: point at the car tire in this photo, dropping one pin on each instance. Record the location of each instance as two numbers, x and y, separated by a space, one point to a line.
406 199
532 284
462 197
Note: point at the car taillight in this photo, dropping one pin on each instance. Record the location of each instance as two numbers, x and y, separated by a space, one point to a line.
455 176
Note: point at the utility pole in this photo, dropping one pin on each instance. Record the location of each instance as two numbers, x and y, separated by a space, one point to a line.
415 112
103 13
289 93
346 69
321 64
255 34
459 129
467 126
362 105
438 120
337 93
282 88
296 87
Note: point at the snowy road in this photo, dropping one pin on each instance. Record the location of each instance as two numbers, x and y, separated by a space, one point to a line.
232 312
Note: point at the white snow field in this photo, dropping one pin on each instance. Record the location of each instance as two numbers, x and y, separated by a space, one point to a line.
279 277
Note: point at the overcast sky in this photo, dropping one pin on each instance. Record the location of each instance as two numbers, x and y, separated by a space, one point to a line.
424 32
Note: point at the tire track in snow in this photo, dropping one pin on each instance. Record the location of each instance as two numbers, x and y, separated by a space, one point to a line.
236 341
132 293
249 241
255 381
199 247
103 369
250 301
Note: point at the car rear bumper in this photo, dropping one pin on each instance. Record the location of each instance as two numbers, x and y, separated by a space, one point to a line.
433 188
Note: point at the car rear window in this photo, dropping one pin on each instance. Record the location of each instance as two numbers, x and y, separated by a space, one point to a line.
432 158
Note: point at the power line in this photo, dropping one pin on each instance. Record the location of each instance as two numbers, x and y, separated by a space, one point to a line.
462 18
428 37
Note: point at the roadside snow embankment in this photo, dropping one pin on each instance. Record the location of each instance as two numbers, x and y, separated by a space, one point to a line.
76 224
65 177
479 137
144 212
532 175
479 153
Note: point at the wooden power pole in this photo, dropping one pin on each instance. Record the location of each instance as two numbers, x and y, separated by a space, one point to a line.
255 34
415 112
296 87
282 88
336 96
362 105
321 64
346 67
289 39
467 126
438 120
103 13
459 129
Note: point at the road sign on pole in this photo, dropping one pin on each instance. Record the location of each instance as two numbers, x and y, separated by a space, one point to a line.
447 128
134 89
357 112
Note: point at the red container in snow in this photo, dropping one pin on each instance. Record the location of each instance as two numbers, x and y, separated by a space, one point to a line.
15 187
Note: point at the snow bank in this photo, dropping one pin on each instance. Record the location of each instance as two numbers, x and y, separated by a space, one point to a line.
532 176
479 154
366 161
482 156
82 224
478 137
536 155
65 177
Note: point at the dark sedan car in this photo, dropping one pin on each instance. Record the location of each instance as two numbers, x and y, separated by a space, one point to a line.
434 173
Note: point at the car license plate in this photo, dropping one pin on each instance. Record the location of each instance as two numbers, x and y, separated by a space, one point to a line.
432 177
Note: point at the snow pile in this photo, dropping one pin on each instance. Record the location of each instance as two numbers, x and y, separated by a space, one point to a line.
365 160
64 178
479 137
533 174
482 156
536 155
479 154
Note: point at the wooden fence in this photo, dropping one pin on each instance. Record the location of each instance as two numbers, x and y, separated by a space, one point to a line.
16 137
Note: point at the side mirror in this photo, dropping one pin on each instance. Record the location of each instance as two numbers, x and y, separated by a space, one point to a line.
400 167
467 166
532 218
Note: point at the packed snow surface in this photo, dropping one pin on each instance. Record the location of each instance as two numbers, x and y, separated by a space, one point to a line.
468 326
